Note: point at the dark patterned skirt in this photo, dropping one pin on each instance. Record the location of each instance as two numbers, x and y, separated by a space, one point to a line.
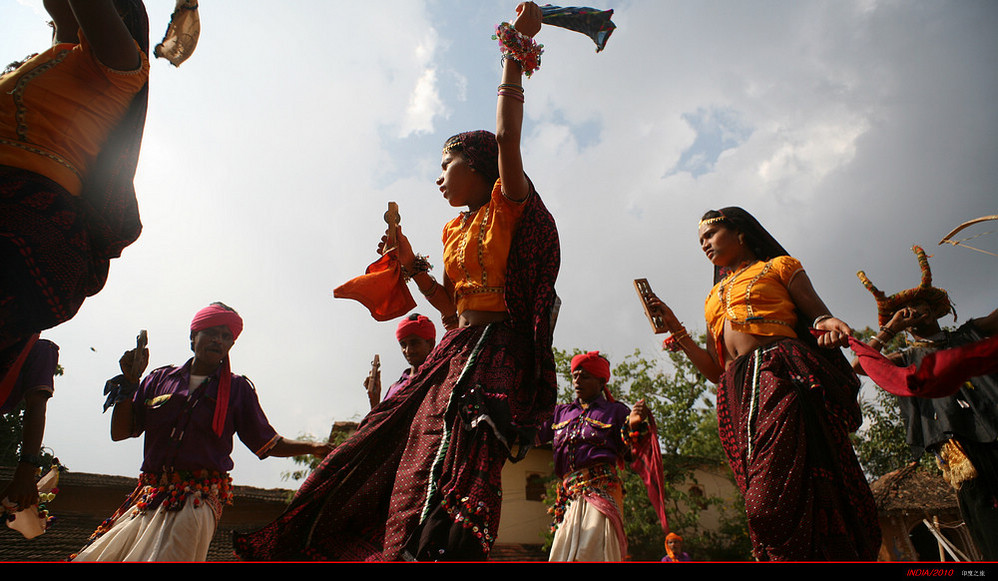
421 477
49 264
784 416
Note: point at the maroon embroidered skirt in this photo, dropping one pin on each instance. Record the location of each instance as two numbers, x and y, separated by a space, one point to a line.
784 416
49 264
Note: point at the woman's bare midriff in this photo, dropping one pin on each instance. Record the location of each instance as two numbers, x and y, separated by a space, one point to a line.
471 318
737 343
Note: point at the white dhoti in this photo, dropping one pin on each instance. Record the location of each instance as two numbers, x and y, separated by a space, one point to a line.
167 518
156 535
585 534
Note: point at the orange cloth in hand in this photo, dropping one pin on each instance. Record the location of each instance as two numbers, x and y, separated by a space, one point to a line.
381 289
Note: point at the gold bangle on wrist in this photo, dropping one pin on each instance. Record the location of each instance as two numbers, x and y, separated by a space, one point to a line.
432 289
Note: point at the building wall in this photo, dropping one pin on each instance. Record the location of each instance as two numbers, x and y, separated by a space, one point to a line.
524 516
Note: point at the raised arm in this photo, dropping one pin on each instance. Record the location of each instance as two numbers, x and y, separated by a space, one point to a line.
108 36
509 109
133 364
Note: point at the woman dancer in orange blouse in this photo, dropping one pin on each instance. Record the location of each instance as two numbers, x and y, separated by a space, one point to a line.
71 122
785 404
421 478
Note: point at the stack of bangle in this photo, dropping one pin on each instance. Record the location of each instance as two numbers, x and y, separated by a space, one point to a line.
519 47
512 91
885 330
420 264
671 342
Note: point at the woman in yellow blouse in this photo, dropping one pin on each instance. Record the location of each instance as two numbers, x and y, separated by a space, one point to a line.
421 478
786 403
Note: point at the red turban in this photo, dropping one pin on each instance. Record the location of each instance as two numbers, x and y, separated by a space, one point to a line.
215 316
594 363
418 325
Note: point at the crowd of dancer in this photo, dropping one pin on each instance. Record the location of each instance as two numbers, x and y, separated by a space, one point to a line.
421 477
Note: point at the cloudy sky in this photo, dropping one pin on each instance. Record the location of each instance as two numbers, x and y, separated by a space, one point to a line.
851 128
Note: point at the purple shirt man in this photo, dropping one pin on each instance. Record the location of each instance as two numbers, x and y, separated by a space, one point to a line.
588 434
161 403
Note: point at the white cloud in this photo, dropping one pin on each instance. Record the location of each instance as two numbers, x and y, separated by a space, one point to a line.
424 105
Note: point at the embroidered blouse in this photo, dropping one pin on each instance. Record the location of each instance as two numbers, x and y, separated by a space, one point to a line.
476 250
57 109
755 300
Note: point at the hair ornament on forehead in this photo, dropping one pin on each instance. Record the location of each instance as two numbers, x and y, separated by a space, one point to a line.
710 221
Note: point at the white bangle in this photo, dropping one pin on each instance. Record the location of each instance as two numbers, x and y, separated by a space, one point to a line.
820 319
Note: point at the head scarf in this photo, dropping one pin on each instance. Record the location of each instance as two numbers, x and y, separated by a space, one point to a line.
668 550
216 315
480 149
418 325
937 298
759 241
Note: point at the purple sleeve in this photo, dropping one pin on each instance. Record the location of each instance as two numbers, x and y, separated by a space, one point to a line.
545 434
251 423
36 374
39 368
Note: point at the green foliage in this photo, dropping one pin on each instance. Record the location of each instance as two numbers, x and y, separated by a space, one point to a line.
682 402
306 464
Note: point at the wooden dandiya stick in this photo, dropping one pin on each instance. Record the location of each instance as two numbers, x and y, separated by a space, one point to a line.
141 341
392 219
644 291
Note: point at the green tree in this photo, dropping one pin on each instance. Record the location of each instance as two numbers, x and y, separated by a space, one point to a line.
682 402
306 464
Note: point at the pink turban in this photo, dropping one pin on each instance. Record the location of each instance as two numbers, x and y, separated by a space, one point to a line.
594 363
215 316
417 325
